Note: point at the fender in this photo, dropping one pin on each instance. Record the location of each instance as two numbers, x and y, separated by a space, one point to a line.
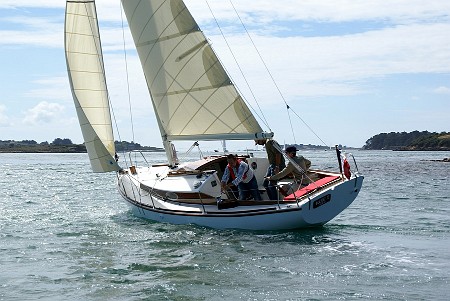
347 171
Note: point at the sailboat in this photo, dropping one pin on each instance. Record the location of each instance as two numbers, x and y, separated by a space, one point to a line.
194 100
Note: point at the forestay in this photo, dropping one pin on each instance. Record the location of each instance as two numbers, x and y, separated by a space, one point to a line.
87 79
193 97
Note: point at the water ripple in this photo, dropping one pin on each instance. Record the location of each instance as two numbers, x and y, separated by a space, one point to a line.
66 234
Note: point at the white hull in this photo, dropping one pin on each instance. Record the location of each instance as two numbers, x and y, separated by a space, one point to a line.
194 100
314 209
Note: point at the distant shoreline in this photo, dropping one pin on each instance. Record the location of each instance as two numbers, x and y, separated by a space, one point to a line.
59 149
75 148
79 149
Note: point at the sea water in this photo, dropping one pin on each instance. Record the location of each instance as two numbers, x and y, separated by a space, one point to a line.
66 234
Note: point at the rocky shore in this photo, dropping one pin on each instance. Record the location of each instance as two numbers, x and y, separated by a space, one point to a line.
443 160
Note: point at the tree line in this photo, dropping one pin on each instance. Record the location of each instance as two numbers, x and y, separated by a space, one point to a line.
415 140
57 141
65 145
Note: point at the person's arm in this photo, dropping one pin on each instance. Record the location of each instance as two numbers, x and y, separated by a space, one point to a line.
225 178
241 170
285 172
277 162
278 156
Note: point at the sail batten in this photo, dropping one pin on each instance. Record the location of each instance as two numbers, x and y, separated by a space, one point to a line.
185 91
165 38
88 84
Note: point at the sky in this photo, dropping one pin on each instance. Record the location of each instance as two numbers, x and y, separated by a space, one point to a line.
348 69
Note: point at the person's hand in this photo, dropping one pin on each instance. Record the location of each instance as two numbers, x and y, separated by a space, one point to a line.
224 186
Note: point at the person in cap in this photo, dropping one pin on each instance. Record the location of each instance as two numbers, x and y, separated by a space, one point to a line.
276 163
242 176
304 163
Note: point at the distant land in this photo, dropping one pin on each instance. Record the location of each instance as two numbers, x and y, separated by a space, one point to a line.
64 146
413 141
298 146
398 141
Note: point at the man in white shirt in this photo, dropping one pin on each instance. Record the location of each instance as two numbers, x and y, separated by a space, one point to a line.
242 176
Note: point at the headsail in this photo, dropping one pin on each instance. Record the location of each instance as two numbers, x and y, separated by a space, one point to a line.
193 97
87 80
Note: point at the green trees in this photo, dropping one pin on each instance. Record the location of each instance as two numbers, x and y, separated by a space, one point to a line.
415 140
59 141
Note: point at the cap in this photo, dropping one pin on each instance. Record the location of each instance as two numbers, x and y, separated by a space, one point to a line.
290 149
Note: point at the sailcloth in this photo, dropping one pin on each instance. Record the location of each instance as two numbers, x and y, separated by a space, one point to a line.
192 95
87 79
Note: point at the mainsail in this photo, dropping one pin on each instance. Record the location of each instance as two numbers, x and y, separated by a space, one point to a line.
87 79
192 95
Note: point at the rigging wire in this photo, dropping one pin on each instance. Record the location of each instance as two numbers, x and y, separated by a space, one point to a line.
238 65
126 70
273 79
309 128
188 152
290 122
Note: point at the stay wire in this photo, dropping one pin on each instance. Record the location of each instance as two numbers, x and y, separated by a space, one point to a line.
238 65
290 122
309 128
126 70
128 79
273 79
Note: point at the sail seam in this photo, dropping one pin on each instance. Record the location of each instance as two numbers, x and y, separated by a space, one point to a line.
84 107
149 19
81 34
202 105
219 119
98 90
84 71
81 15
83 53
153 45
87 1
168 56
179 72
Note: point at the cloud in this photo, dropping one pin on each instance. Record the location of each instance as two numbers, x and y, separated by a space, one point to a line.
44 112
352 10
51 88
342 65
4 119
21 26
14 4
442 90
27 30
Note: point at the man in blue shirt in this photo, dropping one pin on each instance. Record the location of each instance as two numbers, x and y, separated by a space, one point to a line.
242 176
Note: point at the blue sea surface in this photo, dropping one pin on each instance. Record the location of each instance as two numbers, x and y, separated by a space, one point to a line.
66 234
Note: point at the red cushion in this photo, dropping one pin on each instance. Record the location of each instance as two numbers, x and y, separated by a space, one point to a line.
311 187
